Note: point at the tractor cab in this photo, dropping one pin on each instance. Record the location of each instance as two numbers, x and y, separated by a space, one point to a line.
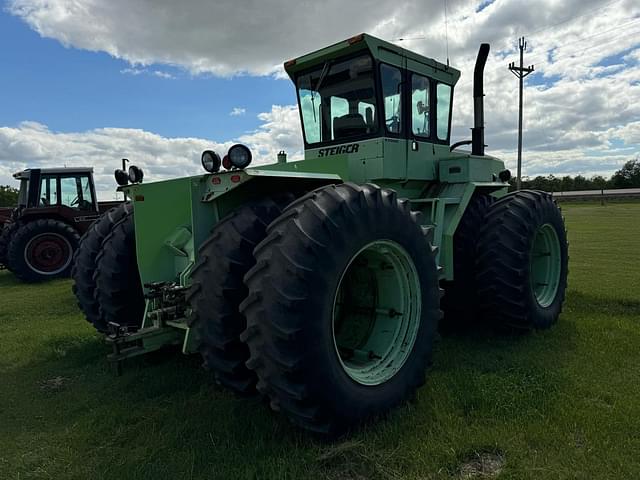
66 188
387 108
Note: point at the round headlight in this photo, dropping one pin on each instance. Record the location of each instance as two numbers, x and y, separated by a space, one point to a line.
121 177
211 161
239 156
135 174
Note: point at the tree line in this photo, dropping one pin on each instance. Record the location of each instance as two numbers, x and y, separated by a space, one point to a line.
627 177
8 196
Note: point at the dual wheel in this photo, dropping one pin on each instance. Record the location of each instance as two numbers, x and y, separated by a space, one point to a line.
105 272
510 263
329 306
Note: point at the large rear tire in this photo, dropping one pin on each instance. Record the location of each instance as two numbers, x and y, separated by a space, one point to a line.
119 291
523 261
217 290
343 307
42 250
460 301
84 265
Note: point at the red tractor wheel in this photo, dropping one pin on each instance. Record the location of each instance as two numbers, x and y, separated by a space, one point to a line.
42 250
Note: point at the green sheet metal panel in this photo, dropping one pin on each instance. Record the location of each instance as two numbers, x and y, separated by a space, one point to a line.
159 209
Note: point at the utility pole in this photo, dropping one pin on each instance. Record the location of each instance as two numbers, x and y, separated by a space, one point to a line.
520 72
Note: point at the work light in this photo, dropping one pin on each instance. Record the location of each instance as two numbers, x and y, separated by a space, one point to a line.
135 174
239 156
121 177
211 161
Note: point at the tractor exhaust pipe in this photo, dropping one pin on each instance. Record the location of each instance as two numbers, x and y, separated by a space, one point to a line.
477 132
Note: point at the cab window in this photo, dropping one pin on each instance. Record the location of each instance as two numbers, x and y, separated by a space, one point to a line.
48 192
69 190
391 79
443 93
337 100
76 192
420 116
86 197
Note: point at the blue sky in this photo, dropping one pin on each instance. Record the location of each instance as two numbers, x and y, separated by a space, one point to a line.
73 90
91 81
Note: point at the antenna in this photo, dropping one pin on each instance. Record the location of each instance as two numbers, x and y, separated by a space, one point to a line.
446 30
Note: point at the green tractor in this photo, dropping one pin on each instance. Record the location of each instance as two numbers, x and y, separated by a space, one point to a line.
319 283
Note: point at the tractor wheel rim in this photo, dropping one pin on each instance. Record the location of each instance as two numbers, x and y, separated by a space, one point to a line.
545 265
48 253
376 312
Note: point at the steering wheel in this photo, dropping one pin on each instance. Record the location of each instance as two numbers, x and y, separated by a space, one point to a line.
393 123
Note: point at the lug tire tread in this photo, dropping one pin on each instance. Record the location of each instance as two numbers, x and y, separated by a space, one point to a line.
85 263
118 291
503 261
217 290
294 259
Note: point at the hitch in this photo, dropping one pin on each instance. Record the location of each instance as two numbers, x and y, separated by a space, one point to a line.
164 324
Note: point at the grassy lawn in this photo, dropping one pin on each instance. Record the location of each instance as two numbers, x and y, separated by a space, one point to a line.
552 405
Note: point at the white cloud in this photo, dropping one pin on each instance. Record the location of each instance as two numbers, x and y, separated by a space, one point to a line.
581 107
32 144
237 111
135 71
161 74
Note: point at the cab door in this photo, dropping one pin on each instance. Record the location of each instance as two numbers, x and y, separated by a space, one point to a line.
393 83
429 120
421 153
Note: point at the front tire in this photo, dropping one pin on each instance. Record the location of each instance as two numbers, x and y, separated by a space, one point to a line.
42 250
343 307
523 261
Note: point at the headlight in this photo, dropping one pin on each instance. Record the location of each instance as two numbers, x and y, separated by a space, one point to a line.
121 177
135 174
211 161
239 156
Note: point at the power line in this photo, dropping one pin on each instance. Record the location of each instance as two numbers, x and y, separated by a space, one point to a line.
543 55
576 17
543 29
582 39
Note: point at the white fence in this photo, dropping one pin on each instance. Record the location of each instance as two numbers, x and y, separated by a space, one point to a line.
605 193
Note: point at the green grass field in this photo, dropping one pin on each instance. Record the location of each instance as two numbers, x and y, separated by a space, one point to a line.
564 403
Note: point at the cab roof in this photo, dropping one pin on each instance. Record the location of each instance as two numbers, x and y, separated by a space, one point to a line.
380 50
25 174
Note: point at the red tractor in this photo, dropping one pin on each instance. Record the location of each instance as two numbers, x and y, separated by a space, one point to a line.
39 237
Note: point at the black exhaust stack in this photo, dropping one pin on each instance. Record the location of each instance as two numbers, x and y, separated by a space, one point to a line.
477 132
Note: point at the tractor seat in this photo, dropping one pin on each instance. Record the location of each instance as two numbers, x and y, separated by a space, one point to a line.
349 125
